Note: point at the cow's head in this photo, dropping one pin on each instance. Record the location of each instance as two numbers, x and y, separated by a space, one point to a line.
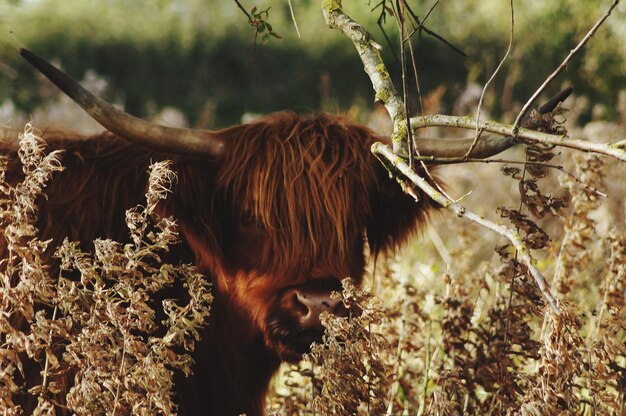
284 209
295 205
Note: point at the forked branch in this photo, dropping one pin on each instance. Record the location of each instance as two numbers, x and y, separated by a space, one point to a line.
386 93
444 150
484 146
564 64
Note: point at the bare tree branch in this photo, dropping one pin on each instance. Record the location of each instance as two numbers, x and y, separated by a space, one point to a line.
487 145
369 51
243 9
493 76
454 150
385 92
400 20
390 159
293 17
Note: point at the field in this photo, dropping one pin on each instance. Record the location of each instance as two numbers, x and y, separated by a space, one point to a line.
453 323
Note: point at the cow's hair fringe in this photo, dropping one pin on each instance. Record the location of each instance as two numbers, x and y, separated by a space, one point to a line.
274 169
288 204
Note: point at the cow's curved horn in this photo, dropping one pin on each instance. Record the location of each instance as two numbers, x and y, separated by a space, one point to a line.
136 130
489 144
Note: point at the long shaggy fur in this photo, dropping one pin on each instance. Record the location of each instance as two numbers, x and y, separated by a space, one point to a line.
300 179
293 200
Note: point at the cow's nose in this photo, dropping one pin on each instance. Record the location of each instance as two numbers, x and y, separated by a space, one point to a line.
309 306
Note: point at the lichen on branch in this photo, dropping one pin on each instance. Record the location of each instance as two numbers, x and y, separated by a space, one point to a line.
374 67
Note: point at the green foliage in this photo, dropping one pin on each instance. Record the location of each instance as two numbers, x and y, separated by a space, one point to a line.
258 20
195 55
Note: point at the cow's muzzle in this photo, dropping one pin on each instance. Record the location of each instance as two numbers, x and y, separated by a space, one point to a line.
307 306
296 324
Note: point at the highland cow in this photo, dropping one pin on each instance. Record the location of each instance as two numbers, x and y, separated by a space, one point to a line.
274 213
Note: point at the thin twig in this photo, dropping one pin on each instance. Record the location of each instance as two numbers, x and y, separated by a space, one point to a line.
416 77
563 65
293 17
420 411
493 76
59 405
411 143
387 156
243 9
509 310
414 59
419 26
440 246
405 90
44 383
380 21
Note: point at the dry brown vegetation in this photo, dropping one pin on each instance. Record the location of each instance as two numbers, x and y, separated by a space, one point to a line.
95 321
453 325
461 330
445 328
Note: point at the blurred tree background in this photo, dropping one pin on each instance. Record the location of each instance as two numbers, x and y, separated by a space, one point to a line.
200 56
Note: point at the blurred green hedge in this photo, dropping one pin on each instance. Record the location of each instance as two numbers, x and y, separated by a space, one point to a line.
200 55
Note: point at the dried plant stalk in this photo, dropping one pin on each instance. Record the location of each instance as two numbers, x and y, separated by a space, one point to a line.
92 333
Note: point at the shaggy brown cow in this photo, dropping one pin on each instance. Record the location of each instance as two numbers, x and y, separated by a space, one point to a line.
275 213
